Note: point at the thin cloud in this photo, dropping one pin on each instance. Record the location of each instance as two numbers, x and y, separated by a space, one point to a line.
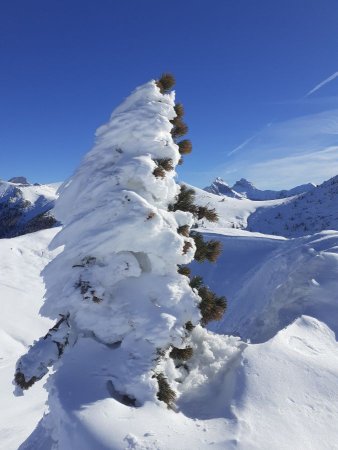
288 153
242 145
323 83
290 171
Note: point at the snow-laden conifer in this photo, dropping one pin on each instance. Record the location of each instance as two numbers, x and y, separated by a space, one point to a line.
120 280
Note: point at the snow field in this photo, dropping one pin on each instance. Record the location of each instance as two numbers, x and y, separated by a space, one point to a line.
21 293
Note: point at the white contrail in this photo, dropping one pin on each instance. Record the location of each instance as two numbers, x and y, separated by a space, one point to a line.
320 85
243 144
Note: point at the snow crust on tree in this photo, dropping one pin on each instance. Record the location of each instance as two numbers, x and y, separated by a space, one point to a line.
116 279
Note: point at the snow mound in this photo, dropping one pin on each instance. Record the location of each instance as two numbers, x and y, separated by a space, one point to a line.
287 390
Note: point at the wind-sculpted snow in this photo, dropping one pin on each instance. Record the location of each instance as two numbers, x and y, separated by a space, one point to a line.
110 208
115 284
271 282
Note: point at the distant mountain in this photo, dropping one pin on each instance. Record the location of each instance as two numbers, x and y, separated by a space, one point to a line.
305 214
248 190
220 187
25 208
245 189
19 180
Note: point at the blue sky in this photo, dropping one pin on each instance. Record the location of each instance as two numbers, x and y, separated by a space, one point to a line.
243 69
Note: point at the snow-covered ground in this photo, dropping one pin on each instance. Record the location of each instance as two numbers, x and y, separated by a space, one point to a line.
21 293
279 391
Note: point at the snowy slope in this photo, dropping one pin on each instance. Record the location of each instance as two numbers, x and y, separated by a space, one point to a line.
21 293
25 208
305 214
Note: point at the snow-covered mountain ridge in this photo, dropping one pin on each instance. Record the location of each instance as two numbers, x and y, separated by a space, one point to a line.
299 211
245 189
299 215
220 187
25 208
304 214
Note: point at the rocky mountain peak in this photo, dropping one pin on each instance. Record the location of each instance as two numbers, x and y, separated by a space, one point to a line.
19 180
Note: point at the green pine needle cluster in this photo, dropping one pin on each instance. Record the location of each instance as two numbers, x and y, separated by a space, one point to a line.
211 306
185 202
166 82
206 250
165 393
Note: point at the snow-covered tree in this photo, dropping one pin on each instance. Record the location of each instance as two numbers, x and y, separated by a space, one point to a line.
120 279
